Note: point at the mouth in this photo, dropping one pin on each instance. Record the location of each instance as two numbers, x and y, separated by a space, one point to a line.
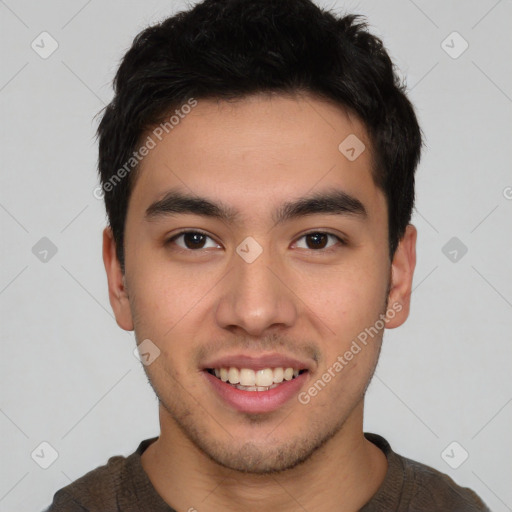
251 391
247 379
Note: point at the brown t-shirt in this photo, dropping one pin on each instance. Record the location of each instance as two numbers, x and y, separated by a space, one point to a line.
123 485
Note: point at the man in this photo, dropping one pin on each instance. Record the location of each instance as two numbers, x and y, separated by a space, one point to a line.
257 164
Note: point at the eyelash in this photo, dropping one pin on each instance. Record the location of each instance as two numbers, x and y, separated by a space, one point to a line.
185 232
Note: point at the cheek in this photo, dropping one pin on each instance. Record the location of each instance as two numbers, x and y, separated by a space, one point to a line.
166 292
169 305
347 299
341 383
162 309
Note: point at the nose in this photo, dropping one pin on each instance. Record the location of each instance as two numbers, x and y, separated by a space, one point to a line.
256 296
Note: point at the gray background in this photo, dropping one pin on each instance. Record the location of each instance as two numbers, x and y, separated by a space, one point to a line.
69 376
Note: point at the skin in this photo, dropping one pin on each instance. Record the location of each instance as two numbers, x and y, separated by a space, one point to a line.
253 155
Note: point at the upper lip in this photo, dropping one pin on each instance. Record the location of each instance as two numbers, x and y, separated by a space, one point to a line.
257 362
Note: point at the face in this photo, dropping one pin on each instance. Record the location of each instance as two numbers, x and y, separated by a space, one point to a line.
254 243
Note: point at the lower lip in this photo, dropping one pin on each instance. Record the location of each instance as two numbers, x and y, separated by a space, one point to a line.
257 401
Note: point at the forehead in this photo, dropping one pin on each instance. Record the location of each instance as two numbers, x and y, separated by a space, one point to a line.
257 151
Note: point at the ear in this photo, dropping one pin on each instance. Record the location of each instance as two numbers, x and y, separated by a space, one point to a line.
117 292
402 270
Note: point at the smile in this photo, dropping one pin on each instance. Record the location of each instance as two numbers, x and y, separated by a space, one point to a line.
241 389
247 379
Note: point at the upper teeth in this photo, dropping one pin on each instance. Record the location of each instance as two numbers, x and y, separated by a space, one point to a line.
249 377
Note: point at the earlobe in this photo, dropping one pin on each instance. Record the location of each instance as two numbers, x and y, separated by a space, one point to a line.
402 271
117 292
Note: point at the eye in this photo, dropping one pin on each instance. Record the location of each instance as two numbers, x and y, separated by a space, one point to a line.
197 240
191 240
318 240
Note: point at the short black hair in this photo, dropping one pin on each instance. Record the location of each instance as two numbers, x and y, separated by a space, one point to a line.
230 49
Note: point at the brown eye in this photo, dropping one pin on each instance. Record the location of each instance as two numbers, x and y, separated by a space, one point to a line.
194 240
191 240
318 240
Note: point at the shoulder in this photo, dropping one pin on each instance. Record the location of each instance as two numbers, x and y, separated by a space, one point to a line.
96 490
429 489
415 487
108 487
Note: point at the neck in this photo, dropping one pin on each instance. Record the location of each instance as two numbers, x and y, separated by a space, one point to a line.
352 467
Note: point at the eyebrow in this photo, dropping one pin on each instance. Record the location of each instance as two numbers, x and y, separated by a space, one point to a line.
332 201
